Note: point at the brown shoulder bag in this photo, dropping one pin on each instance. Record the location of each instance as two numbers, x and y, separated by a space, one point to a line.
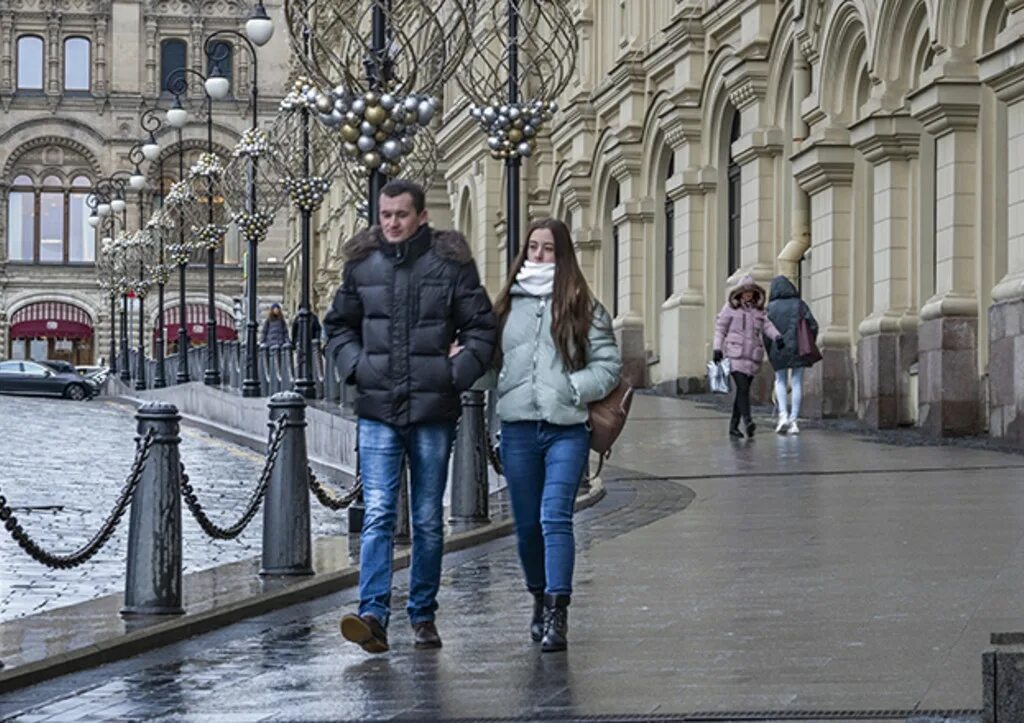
607 418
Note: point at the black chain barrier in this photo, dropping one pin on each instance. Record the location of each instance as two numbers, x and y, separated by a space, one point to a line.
230 533
327 498
89 549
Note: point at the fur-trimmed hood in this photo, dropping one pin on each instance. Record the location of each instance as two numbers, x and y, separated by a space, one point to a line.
747 283
447 244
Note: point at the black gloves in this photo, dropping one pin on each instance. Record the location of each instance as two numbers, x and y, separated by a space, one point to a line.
780 344
717 356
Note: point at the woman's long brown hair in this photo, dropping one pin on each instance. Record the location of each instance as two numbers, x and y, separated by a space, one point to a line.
572 303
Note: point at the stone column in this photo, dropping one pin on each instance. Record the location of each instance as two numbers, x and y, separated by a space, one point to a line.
99 57
630 220
683 330
1004 72
800 211
6 52
54 53
888 336
152 84
948 389
825 172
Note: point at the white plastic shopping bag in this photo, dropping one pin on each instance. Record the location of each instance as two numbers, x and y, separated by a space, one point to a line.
718 376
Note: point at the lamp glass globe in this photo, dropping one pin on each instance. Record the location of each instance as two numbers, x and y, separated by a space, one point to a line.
259 30
177 117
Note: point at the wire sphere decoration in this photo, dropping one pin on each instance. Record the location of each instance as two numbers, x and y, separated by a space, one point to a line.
545 49
425 43
109 273
418 166
207 218
308 152
255 161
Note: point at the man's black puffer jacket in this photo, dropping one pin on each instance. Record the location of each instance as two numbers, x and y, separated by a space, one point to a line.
398 309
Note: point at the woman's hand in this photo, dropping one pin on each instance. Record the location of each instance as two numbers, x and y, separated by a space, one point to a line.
779 343
454 349
717 356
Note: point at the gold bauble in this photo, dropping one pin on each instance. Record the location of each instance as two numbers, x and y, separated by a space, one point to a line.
349 133
375 114
388 126
371 159
371 98
515 135
351 149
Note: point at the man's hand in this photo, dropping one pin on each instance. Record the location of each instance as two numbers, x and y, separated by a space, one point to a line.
454 349
716 356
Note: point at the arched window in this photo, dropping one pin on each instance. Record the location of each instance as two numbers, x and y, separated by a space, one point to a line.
173 57
734 198
21 220
221 61
49 223
30 63
76 64
81 236
670 230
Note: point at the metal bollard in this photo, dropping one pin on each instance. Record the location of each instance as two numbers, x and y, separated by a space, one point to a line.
469 473
403 533
153 581
287 545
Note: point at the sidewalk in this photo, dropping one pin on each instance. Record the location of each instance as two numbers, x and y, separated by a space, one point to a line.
825 574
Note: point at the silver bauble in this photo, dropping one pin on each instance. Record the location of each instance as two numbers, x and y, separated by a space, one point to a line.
366 143
391 150
407 144
411 102
388 101
358 106
494 143
475 112
324 104
490 114
425 113
529 131
351 118
367 128
524 149
513 113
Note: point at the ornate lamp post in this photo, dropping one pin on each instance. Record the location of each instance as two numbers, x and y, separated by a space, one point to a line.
208 226
253 221
522 46
106 271
150 149
110 191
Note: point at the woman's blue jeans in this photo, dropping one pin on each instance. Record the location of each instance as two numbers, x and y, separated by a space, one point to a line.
381 449
544 464
797 381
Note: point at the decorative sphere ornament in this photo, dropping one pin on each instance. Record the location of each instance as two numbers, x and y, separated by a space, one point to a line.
358 106
407 144
380 136
350 149
371 160
515 135
529 131
376 114
489 114
494 143
392 150
411 102
388 126
324 104
425 112
371 98
349 133
366 143
367 128
524 149
352 118
388 101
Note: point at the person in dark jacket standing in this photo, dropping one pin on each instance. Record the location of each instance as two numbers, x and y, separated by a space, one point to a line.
314 327
412 328
785 308
275 330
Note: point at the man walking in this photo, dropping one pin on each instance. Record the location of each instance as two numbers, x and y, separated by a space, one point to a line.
412 328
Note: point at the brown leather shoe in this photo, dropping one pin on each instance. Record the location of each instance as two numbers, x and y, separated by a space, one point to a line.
365 631
426 635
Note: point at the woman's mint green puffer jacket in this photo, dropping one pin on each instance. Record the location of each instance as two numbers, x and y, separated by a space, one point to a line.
533 384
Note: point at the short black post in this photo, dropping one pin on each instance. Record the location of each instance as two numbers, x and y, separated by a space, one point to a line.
153 581
287 546
469 468
1002 676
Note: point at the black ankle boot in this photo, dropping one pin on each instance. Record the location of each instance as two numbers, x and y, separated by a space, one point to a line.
750 427
537 621
556 623
734 427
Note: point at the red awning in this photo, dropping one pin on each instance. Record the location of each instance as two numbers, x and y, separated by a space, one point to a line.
195 323
53 319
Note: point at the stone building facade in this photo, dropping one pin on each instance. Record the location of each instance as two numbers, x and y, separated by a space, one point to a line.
872 150
75 78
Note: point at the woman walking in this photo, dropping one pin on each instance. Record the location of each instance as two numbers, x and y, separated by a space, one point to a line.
557 353
785 309
275 330
738 330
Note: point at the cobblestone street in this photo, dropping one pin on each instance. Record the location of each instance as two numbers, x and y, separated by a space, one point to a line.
71 460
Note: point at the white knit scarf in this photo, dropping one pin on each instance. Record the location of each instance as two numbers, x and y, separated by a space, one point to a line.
537 279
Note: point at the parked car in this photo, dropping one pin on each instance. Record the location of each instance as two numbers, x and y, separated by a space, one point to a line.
58 365
28 377
93 374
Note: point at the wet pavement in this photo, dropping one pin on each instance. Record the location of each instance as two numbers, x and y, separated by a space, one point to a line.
64 465
823 572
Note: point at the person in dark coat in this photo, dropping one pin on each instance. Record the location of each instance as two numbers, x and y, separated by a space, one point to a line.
785 308
314 327
413 328
275 330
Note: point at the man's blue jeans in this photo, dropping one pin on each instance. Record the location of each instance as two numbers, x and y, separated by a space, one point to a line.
381 449
544 464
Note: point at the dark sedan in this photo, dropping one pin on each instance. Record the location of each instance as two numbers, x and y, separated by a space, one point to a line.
28 377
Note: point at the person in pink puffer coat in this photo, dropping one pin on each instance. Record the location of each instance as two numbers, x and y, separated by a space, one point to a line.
738 337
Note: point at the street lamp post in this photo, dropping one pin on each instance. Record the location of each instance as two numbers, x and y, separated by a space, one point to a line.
259 35
112 203
138 183
106 269
150 149
211 234
176 118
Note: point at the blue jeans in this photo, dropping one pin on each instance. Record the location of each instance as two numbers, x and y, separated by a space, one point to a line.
544 464
780 391
381 449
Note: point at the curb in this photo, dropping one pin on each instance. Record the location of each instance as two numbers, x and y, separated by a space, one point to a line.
187 626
